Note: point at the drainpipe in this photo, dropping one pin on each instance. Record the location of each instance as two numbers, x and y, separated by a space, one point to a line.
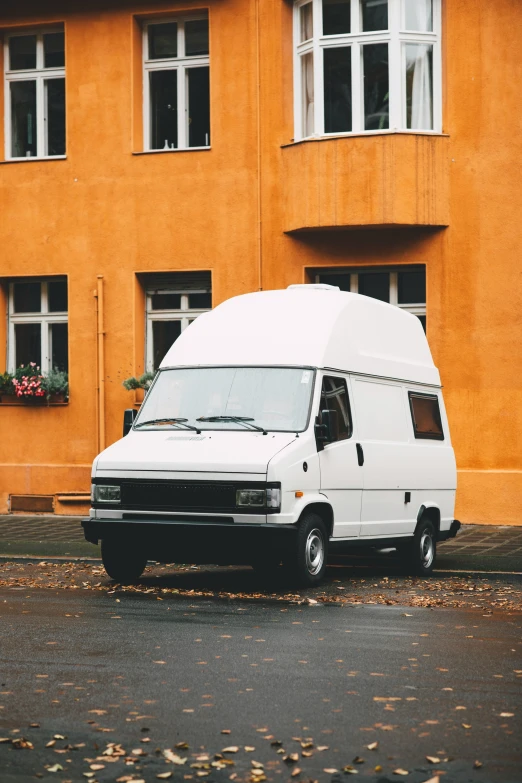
101 363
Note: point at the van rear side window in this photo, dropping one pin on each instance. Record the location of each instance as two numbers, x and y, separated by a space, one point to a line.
425 414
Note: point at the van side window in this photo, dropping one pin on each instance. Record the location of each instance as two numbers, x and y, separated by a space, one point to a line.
334 397
425 414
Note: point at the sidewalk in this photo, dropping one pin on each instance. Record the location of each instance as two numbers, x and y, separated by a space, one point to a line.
476 547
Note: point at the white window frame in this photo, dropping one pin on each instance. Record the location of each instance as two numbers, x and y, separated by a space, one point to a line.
396 38
415 308
45 318
179 63
185 315
39 75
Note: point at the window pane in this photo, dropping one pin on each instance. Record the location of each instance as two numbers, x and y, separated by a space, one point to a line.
163 40
426 417
196 37
23 119
418 15
27 298
307 82
22 52
59 347
336 17
164 334
376 89
306 22
412 287
335 398
166 301
198 107
337 90
57 293
200 301
419 86
374 14
54 50
28 344
164 109
55 107
376 285
342 280
422 319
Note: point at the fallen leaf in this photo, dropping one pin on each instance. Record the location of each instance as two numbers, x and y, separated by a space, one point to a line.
96 767
400 771
170 756
330 771
477 764
466 725
349 770
225 731
249 748
320 748
295 772
433 759
181 746
291 758
55 768
164 775
358 760
230 749
507 714
373 746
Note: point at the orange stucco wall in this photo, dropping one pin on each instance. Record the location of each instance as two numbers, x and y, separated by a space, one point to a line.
451 203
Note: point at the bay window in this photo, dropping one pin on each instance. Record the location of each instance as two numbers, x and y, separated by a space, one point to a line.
366 65
35 94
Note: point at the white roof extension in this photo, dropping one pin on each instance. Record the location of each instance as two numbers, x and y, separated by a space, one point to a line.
311 325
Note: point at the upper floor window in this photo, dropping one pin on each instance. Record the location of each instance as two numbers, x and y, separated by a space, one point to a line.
404 286
37 324
173 301
176 83
366 65
35 94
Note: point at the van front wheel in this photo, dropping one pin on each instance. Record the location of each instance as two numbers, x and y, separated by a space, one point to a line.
308 560
419 554
124 562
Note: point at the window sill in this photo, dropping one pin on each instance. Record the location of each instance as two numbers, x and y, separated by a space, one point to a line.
34 159
168 152
32 405
363 134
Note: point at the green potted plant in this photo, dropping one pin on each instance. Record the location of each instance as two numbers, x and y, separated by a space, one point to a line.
140 385
6 385
56 386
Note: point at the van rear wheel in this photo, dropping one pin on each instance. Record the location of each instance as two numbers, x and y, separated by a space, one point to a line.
123 561
420 552
307 561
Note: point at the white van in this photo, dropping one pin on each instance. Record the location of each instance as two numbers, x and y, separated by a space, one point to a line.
281 426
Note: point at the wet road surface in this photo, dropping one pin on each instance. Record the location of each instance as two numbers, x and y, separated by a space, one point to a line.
98 669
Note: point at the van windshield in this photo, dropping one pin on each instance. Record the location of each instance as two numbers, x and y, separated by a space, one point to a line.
229 398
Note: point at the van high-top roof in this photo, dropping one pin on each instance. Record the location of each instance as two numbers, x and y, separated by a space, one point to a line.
312 326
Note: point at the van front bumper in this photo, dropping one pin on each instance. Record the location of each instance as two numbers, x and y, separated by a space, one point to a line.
203 539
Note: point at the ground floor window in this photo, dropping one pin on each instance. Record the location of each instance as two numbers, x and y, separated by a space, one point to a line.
404 286
173 301
38 324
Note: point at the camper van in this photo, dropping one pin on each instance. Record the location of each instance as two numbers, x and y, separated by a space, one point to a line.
282 426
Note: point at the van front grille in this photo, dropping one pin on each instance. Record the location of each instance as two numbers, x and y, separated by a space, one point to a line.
178 496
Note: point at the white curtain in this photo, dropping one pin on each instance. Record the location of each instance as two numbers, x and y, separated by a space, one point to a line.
418 59
308 94
418 15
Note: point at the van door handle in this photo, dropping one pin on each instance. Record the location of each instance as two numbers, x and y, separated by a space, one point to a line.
360 454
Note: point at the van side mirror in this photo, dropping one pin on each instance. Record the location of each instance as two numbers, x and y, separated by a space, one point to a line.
324 430
128 419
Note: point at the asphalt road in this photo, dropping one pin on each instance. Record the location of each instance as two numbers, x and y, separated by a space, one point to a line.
96 669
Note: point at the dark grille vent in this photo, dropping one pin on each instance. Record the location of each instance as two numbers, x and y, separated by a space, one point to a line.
172 496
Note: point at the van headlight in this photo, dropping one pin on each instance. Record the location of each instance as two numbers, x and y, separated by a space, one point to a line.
106 493
269 498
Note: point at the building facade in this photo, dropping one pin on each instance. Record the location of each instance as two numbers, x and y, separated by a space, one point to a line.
159 157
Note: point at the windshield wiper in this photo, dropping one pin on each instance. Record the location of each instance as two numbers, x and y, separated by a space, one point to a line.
169 421
245 420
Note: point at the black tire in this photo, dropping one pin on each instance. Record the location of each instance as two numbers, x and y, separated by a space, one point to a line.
307 561
418 555
123 561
